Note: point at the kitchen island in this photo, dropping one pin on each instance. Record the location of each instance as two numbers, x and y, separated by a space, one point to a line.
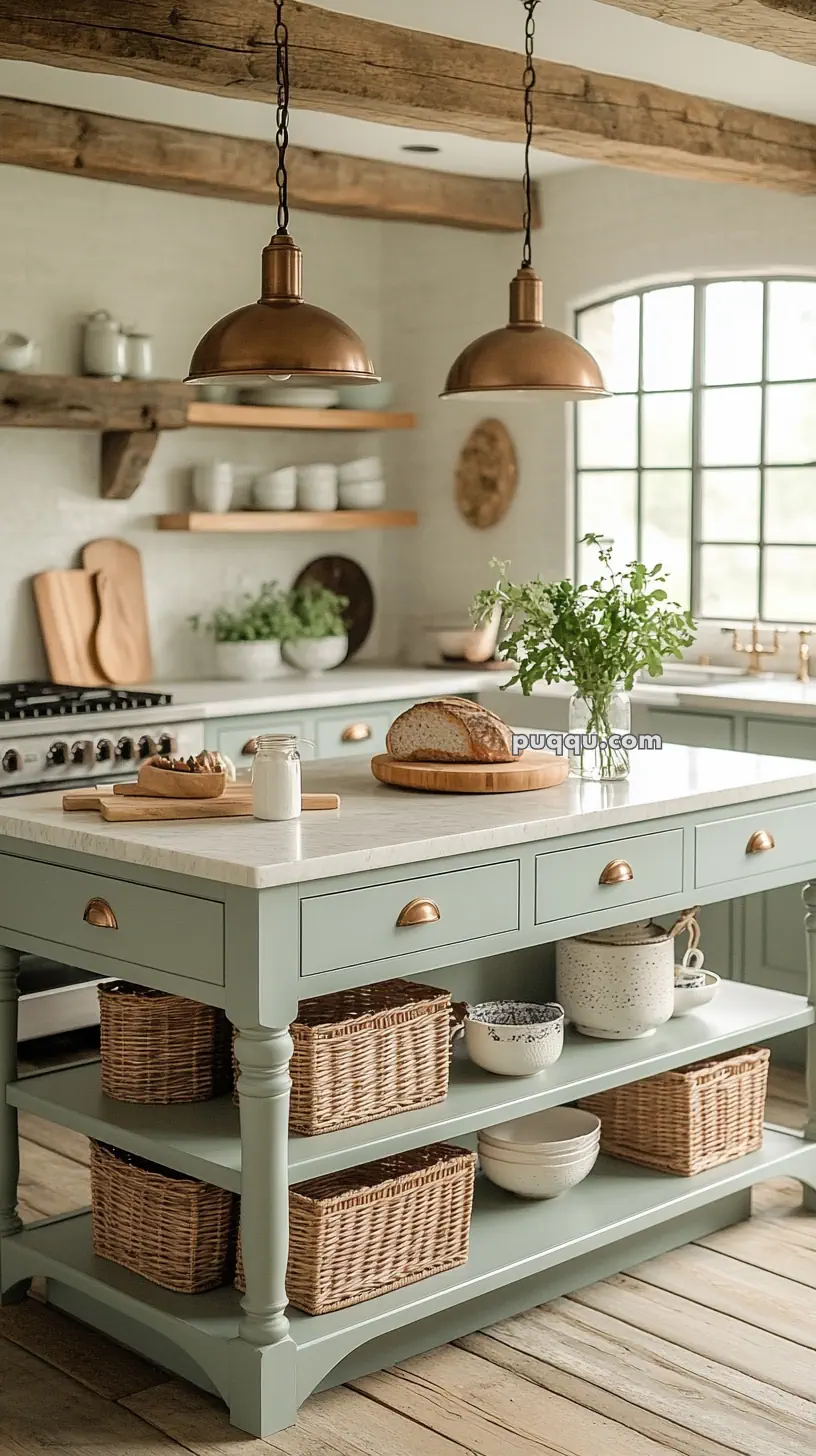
253 917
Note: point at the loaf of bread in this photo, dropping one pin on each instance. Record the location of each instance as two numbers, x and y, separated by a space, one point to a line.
450 730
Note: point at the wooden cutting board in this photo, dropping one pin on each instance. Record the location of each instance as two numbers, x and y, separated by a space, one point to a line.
118 808
117 649
67 609
122 565
531 771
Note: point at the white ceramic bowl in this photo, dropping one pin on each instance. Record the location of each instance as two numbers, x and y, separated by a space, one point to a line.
556 1129
296 397
366 397
514 1038
317 487
361 495
314 655
248 661
536 1160
690 998
276 490
369 468
537 1182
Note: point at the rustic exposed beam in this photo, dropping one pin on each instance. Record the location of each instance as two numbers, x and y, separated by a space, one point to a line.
72 402
786 27
174 158
388 74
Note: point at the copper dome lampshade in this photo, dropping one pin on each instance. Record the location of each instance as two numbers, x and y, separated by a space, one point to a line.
280 336
525 357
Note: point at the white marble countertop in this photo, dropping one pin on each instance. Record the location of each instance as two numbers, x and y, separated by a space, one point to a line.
377 827
345 685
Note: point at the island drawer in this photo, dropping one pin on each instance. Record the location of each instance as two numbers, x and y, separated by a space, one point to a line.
602 876
356 730
156 928
754 844
353 927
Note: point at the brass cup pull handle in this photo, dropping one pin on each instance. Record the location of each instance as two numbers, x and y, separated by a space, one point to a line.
419 912
617 872
760 841
98 913
355 733
250 748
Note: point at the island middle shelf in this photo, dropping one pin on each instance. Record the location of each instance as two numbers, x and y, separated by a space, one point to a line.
202 1139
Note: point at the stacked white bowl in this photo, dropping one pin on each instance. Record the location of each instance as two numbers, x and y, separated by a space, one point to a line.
362 487
543 1155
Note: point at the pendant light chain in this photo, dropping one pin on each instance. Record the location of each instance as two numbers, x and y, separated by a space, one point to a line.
529 87
282 134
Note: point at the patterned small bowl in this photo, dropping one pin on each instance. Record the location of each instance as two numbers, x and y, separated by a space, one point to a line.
514 1038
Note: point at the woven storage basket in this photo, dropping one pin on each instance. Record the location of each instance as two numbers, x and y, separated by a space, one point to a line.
368 1053
359 1233
173 1230
160 1049
688 1120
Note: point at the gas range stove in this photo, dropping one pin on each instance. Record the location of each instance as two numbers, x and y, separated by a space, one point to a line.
88 734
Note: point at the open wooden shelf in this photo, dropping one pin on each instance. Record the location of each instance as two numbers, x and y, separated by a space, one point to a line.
130 415
209 522
267 417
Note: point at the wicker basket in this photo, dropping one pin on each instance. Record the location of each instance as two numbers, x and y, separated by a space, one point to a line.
368 1053
160 1049
362 1232
173 1230
688 1120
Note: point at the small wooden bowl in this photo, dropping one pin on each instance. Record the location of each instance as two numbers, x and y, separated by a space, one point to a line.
168 783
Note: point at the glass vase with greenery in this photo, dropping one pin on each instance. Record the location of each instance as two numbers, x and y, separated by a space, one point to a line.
597 636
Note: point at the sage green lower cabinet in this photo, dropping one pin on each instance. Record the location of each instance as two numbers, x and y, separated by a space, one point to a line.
697 730
261 1356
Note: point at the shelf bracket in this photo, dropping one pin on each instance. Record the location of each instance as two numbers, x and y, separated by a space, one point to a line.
125 456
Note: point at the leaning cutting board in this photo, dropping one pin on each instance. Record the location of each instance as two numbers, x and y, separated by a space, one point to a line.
531 771
122 566
67 609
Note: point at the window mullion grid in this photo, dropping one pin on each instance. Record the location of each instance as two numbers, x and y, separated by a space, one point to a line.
696 433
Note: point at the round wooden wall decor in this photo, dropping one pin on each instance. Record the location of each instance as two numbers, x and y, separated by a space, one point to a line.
486 473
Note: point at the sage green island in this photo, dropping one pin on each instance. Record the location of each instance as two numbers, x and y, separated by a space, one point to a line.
253 917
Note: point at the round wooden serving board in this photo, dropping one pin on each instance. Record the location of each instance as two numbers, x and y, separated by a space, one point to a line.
531 771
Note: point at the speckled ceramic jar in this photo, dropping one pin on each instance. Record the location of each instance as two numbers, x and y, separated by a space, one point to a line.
617 984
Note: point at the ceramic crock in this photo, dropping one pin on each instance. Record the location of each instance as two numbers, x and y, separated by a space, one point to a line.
617 984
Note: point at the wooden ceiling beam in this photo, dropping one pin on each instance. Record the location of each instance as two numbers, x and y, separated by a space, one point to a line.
785 27
383 73
174 158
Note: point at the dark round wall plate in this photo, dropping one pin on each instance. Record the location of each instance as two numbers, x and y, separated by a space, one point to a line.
347 578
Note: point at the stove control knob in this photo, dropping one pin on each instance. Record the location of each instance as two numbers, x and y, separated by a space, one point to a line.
12 762
104 750
147 746
82 753
57 755
125 749
167 744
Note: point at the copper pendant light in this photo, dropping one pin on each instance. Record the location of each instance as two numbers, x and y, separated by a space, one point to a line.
525 357
280 336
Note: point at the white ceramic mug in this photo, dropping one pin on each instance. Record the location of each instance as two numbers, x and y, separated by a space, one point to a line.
317 487
276 490
16 352
213 484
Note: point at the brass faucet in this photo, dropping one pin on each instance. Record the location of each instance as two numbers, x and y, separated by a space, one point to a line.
755 649
803 670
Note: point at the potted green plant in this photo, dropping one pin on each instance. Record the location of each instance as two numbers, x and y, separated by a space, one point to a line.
597 636
248 635
318 638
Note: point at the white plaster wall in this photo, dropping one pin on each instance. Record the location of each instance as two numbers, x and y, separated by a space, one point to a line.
604 229
171 265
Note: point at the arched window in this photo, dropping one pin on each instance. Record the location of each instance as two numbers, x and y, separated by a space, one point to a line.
705 458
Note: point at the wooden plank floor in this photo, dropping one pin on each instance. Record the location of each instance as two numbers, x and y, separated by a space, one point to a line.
706 1351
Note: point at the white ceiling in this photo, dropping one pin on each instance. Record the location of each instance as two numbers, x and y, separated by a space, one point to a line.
577 32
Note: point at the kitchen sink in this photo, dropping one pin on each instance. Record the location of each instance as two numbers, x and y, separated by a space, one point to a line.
689 675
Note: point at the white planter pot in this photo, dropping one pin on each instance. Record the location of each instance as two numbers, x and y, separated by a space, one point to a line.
248 661
616 992
314 655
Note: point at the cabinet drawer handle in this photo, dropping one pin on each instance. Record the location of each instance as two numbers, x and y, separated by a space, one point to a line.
250 748
355 733
760 841
98 912
419 912
617 872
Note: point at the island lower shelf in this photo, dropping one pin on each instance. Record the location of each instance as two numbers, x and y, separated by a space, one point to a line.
511 1240
202 1139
